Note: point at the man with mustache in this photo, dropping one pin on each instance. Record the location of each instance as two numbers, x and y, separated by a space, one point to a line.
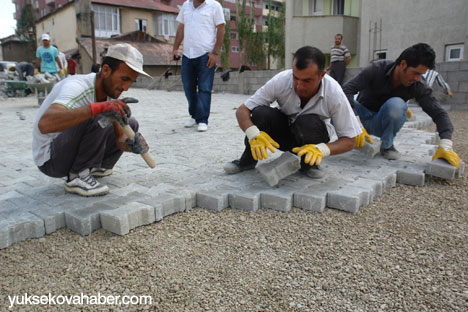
384 88
69 142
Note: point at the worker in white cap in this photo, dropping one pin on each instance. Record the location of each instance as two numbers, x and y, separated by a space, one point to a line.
47 58
69 141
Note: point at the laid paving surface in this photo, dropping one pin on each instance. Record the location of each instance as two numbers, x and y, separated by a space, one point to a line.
189 172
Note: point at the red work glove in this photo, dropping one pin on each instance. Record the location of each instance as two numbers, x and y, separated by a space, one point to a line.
118 106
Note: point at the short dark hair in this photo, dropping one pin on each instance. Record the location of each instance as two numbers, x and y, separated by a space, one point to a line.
305 55
339 35
418 54
113 63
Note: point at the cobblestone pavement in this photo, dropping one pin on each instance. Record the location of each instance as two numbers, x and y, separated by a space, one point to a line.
189 172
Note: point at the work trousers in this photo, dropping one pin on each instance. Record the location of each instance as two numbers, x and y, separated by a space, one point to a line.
337 71
306 129
84 146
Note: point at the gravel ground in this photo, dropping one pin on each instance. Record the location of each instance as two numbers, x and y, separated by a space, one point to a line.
405 252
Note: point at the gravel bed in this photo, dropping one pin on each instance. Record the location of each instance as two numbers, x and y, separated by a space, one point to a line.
405 252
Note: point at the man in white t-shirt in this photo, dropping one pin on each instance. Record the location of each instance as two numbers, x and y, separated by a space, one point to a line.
68 140
201 27
309 102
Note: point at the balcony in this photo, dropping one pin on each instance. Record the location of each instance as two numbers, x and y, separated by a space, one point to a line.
50 3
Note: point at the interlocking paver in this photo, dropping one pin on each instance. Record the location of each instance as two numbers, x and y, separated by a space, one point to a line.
189 172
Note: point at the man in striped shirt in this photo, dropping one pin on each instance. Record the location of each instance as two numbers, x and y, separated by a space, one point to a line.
339 59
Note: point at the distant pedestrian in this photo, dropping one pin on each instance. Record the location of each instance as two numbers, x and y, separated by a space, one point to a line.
431 76
201 27
47 57
339 59
71 66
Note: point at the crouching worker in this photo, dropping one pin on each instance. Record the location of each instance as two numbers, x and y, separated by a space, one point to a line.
70 138
307 101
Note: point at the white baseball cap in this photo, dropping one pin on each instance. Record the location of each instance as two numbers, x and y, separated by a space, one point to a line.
45 37
129 55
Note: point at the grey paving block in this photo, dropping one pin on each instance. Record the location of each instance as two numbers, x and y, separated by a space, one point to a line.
370 149
440 168
123 219
167 203
212 200
54 217
19 226
285 165
249 202
348 199
86 220
374 186
310 201
275 201
460 170
410 177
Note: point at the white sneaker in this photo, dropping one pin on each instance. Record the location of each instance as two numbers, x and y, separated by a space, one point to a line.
190 123
86 186
202 127
101 172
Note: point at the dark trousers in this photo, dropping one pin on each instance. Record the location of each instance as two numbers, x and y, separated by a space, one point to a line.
306 129
84 146
337 71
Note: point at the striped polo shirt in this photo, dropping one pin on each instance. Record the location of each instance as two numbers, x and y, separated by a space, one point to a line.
339 53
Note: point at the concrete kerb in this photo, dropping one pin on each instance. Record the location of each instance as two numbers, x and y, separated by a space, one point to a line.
140 196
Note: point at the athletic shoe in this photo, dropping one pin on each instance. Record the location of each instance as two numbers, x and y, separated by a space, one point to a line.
235 167
86 186
101 172
314 172
390 153
202 127
190 123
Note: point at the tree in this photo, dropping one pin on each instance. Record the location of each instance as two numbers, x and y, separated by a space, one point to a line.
275 36
256 51
26 30
225 59
244 28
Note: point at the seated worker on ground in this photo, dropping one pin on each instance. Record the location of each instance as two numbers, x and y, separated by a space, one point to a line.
384 88
24 69
307 101
69 142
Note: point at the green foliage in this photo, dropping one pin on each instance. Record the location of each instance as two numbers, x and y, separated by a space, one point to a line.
275 36
244 25
225 59
256 52
26 30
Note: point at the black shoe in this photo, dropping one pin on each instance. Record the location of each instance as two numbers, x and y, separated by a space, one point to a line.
390 153
235 167
313 172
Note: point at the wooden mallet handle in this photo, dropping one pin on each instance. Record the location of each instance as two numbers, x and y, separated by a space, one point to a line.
146 156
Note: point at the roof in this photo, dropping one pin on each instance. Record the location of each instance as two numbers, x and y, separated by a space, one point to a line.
140 4
154 52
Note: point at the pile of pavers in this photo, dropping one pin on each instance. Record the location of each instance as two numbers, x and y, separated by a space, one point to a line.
38 205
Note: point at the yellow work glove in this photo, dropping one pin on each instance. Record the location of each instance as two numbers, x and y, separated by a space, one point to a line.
259 142
61 73
409 114
363 136
36 72
66 71
451 94
445 151
314 153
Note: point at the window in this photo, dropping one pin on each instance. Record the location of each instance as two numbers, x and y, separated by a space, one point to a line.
235 49
106 20
166 25
222 48
141 24
308 7
227 14
454 52
338 7
234 36
380 55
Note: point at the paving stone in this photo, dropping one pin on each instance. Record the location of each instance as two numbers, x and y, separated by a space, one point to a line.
411 177
19 226
285 165
374 186
371 149
212 200
123 219
169 203
54 217
275 201
86 220
460 170
310 201
348 199
440 168
249 202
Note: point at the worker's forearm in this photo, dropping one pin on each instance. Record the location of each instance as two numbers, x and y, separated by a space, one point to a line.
243 117
341 145
60 119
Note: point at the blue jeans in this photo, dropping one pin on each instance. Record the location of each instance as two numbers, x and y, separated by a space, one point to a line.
386 122
197 79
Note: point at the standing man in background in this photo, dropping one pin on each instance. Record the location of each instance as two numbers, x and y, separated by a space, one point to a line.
201 27
47 57
339 59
